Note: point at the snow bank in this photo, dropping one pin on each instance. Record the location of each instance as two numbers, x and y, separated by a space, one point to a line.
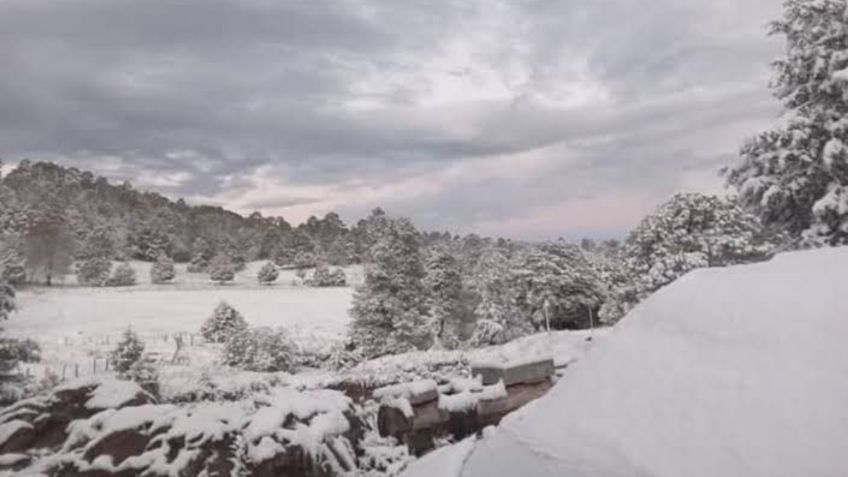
727 372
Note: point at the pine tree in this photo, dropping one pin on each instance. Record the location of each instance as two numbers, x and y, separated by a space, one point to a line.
162 270
268 273
127 352
389 310
323 276
796 175
221 269
224 323
122 276
689 231
444 284
499 317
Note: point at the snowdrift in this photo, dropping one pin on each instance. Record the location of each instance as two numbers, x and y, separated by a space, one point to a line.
739 371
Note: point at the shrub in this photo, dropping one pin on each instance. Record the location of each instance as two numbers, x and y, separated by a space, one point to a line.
260 349
268 273
224 323
123 276
221 269
163 270
324 277
304 260
198 264
94 271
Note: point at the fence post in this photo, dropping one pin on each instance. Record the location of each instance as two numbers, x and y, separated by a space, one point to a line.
76 370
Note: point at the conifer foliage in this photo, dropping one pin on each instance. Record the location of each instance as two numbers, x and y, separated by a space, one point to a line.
389 309
127 352
94 271
259 349
221 269
443 281
122 276
796 174
225 322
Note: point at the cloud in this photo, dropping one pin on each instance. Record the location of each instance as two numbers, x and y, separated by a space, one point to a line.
530 119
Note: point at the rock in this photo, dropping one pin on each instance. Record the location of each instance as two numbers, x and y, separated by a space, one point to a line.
491 411
15 436
118 445
531 372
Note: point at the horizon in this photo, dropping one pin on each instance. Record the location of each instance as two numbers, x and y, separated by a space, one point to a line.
505 120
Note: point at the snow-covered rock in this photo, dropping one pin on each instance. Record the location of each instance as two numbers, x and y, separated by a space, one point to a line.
728 372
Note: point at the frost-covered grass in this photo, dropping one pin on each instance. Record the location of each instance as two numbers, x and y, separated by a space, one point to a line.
77 326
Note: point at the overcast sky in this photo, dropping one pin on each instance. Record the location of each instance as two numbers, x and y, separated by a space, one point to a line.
526 119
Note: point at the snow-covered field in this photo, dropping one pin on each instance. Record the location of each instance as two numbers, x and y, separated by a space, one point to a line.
75 325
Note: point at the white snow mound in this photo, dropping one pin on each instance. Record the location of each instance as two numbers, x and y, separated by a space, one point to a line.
732 372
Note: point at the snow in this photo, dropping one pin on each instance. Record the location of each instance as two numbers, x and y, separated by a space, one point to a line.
113 393
444 462
407 390
727 372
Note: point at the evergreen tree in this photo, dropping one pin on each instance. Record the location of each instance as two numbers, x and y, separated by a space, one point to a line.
127 352
268 273
221 269
48 243
499 317
94 271
389 309
322 276
162 270
122 276
224 323
689 231
444 284
796 175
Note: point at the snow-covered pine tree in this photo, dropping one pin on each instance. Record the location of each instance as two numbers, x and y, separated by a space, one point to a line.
224 323
94 271
687 232
323 276
7 300
499 318
162 270
122 276
443 281
796 175
127 352
268 273
389 310
221 270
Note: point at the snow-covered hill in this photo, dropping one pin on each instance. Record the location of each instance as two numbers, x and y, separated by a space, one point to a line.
739 371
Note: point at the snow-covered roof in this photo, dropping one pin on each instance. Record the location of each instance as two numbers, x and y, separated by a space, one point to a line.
740 371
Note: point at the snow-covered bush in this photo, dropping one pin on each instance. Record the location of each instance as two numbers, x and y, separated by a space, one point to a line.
7 300
144 373
198 264
221 269
12 266
259 349
487 332
94 271
304 260
162 270
268 273
224 323
127 352
323 276
122 276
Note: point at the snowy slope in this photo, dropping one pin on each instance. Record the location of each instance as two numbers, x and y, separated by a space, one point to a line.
728 372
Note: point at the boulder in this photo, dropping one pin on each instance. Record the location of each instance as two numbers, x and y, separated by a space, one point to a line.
511 374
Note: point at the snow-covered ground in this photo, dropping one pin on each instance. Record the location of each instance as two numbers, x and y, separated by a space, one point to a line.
740 371
75 324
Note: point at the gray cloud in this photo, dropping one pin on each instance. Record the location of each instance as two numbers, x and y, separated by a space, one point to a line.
303 107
